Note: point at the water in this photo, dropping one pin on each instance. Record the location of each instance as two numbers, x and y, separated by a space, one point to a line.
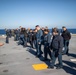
73 31
2 32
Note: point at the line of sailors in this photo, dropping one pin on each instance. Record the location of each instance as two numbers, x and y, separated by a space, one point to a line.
54 43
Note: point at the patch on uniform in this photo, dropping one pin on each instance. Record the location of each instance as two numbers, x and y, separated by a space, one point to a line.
40 66
1 44
73 60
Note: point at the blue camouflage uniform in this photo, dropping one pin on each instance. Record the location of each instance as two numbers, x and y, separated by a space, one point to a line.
38 42
47 42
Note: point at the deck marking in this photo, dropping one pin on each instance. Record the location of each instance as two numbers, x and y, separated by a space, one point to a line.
40 66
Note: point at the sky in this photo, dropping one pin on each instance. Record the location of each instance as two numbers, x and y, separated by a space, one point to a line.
29 13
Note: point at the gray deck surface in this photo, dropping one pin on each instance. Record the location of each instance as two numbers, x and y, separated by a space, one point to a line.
16 60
